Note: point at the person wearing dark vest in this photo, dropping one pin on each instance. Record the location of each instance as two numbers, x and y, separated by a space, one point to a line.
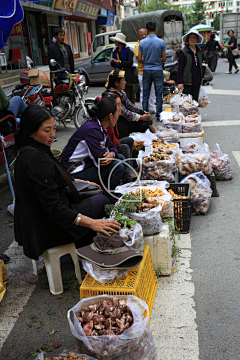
123 60
61 52
212 53
190 65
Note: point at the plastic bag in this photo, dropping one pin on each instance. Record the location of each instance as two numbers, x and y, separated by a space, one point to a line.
155 166
221 164
190 148
198 161
169 135
201 192
133 238
184 104
136 342
150 220
191 126
165 147
194 117
126 188
203 99
104 276
175 122
64 354
143 136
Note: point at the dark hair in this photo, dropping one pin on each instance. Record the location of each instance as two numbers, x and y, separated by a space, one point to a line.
151 26
56 31
103 108
212 36
229 31
31 120
113 78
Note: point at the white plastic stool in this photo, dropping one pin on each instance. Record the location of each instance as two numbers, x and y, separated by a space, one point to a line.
51 259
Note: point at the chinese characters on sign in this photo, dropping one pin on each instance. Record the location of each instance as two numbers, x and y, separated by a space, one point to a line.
68 5
87 10
17 29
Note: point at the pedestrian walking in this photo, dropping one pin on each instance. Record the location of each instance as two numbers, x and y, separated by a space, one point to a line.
61 52
232 52
123 60
190 64
152 53
142 34
212 52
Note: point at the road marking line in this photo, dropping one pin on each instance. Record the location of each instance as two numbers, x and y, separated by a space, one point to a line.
19 289
236 154
221 123
209 90
173 316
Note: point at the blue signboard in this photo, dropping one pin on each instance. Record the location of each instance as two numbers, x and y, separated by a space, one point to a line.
103 12
110 17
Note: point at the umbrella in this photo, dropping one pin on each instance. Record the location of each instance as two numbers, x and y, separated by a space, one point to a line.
202 27
11 13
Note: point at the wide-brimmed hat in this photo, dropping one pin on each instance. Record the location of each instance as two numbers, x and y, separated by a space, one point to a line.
120 37
185 37
110 253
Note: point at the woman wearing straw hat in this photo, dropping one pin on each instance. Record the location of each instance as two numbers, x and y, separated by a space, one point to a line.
123 60
190 65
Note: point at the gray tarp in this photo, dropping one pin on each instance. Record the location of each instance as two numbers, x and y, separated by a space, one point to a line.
131 24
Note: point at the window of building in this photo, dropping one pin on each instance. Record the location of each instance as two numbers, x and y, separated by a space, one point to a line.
212 5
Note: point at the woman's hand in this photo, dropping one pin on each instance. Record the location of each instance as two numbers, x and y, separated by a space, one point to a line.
145 117
104 226
180 87
112 60
108 158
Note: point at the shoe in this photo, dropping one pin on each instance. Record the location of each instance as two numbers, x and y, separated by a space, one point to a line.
5 258
228 72
236 71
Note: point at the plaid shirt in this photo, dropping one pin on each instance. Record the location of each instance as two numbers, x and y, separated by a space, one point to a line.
129 111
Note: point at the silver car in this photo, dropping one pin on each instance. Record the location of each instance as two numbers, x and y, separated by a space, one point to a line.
97 69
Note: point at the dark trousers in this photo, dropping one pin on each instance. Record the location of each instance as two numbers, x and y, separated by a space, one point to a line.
212 62
127 127
232 63
125 148
130 93
192 90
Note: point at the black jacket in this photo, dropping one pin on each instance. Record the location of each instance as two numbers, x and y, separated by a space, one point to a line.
54 52
126 64
43 214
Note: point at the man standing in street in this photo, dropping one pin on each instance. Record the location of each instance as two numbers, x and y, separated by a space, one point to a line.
142 34
152 52
61 52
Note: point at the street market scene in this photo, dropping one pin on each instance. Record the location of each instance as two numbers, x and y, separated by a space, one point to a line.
119 180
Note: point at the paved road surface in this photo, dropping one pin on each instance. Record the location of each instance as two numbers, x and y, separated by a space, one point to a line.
196 310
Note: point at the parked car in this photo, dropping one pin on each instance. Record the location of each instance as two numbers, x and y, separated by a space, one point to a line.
97 69
102 40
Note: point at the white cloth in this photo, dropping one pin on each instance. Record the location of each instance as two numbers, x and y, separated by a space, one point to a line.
152 97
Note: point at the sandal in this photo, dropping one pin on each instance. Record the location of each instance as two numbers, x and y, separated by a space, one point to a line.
5 258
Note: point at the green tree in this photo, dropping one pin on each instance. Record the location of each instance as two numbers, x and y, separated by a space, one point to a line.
216 22
198 15
154 5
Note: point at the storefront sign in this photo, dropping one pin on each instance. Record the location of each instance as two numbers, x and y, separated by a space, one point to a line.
121 2
110 18
87 10
67 5
103 12
17 29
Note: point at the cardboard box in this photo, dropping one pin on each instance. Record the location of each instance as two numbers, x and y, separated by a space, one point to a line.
39 77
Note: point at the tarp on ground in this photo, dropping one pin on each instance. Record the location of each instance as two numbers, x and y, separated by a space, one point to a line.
131 24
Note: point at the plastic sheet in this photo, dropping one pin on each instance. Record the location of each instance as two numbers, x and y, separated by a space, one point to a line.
135 343
201 192
104 276
221 164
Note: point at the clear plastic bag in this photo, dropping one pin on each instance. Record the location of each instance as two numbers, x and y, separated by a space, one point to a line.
65 355
175 122
197 161
150 220
169 135
194 117
156 166
184 104
136 342
133 238
203 99
221 164
190 148
201 192
104 276
191 126
126 188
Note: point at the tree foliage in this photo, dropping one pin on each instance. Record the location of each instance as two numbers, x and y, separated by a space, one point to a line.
198 15
154 5
216 22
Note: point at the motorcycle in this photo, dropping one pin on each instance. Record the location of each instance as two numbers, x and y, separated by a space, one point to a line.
67 99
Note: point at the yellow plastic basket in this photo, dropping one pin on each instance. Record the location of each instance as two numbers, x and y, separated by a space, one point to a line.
140 281
56 153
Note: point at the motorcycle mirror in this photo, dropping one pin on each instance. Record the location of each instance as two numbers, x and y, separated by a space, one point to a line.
53 62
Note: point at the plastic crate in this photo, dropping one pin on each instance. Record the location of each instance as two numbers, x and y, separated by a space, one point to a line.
182 207
141 281
212 180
